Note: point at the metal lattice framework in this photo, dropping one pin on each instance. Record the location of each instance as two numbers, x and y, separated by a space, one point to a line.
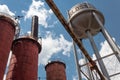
90 63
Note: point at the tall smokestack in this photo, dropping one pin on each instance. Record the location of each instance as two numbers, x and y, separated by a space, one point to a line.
7 32
34 28
24 61
55 71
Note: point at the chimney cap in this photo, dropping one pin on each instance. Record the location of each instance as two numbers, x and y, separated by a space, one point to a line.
10 19
29 38
53 62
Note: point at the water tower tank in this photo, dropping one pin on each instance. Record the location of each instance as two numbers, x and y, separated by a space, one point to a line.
81 19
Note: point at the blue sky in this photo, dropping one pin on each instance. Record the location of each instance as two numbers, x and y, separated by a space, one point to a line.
56 42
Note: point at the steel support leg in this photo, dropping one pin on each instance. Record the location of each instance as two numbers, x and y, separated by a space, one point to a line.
77 61
109 39
88 69
100 62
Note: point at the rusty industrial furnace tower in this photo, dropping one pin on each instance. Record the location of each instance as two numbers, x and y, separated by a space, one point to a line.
55 71
7 31
24 61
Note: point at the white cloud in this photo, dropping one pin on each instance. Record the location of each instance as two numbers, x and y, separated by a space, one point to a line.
65 45
105 49
53 24
111 63
82 61
4 8
75 78
51 45
38 8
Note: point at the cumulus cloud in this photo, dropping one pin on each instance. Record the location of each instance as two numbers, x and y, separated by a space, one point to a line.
105 49
82 61
75 78
4 8
111 63
38 8
51 45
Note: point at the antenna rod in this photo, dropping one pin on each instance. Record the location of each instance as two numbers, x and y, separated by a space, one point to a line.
34 27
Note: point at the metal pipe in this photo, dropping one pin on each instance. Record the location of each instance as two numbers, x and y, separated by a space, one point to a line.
100 62
67 27
76 61
115 74
109 39
34 28
85 75
88 69
72 34
98 59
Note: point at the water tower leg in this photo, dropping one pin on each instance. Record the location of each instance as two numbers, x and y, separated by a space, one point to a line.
76 61
88 69
90 74
109 39
100 62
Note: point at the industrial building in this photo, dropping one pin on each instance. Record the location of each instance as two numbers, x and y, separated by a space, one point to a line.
25 49
84 22
24 61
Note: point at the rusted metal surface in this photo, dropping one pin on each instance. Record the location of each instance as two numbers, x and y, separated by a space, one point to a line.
24 61
55 71
72 34
7 32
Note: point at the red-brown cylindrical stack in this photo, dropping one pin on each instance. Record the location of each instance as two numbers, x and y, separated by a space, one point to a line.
7 32
55 71
24 61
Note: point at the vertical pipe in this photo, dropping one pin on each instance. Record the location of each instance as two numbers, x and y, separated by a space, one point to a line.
7 32
77 62
88 69
109 39
34 28
102 66
67 27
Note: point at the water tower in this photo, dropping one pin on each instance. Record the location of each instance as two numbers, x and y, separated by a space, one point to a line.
86 22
